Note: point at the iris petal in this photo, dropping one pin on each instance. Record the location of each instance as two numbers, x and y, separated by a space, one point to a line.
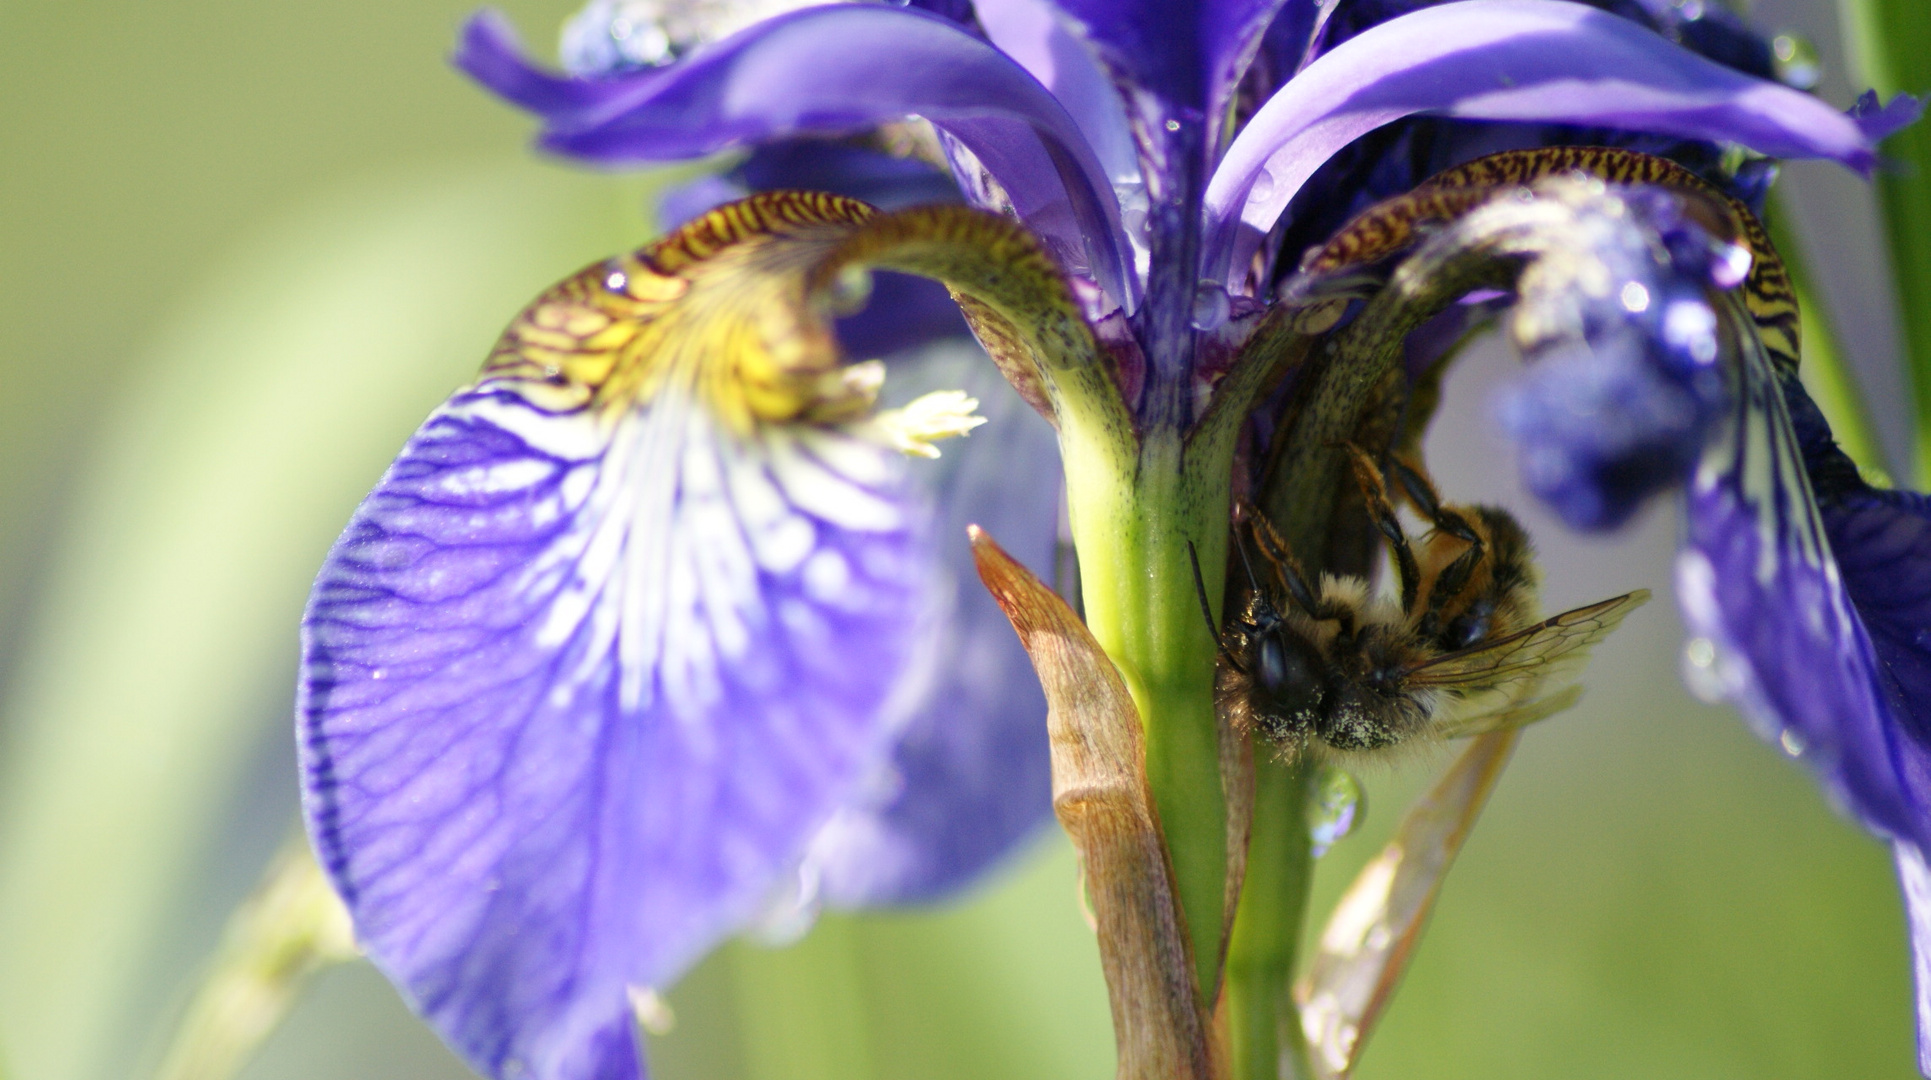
970 778
1879 761
617 632
1759 582
631 617
1188 56
1522 60
834 70
1033 33
565 720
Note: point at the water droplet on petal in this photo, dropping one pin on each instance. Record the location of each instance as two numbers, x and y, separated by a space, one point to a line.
1700 652
1210 305
1335 809
1635 297
1796 61
1730 265
1792 743
1701 671
1173 125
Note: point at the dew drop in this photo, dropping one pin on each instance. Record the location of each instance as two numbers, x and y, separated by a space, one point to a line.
1700 671
1792 743
850 289
1797 64
1731 265
1700 652
1335 808
1173 125
1210 305
1635 297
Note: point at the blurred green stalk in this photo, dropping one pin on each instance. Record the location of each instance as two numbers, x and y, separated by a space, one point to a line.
291 928
1890 46
1825 371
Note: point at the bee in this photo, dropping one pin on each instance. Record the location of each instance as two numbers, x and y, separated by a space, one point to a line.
1462 651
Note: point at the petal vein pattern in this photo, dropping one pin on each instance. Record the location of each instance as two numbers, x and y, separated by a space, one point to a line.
1759 581
598 656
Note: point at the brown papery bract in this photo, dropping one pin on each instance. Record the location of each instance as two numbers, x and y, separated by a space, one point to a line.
1101 796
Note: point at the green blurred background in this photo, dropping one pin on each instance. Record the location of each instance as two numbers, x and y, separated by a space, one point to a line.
248 245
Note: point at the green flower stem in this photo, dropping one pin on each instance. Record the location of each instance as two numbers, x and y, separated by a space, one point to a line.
1263 1026
1133 515
802 1008
1890 42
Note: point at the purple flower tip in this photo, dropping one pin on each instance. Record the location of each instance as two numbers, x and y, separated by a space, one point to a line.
1880 121
490 53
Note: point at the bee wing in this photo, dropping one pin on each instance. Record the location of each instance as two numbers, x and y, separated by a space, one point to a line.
1510 716
1538 652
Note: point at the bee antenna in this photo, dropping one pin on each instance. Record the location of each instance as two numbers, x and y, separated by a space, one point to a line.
1252 580
1207 609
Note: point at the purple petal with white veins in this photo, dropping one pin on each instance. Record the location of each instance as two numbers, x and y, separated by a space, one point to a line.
1881 543
1758 580
1522 60
835 70
971 778
578 689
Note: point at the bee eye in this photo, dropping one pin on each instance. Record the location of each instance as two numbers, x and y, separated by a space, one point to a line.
1287 672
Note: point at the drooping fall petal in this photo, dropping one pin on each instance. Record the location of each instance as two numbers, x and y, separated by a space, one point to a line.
579 678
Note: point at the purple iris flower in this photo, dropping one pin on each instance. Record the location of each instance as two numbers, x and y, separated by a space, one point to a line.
588 688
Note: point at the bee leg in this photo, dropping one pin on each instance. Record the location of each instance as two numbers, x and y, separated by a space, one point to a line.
1274 550
1422 493
1454 577
1368 476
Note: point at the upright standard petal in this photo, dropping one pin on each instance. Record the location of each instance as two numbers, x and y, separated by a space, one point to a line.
1034 34
1519 60
613 637
834 70
1187 56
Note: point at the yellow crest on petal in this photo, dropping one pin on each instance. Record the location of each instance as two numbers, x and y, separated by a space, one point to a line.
718 308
